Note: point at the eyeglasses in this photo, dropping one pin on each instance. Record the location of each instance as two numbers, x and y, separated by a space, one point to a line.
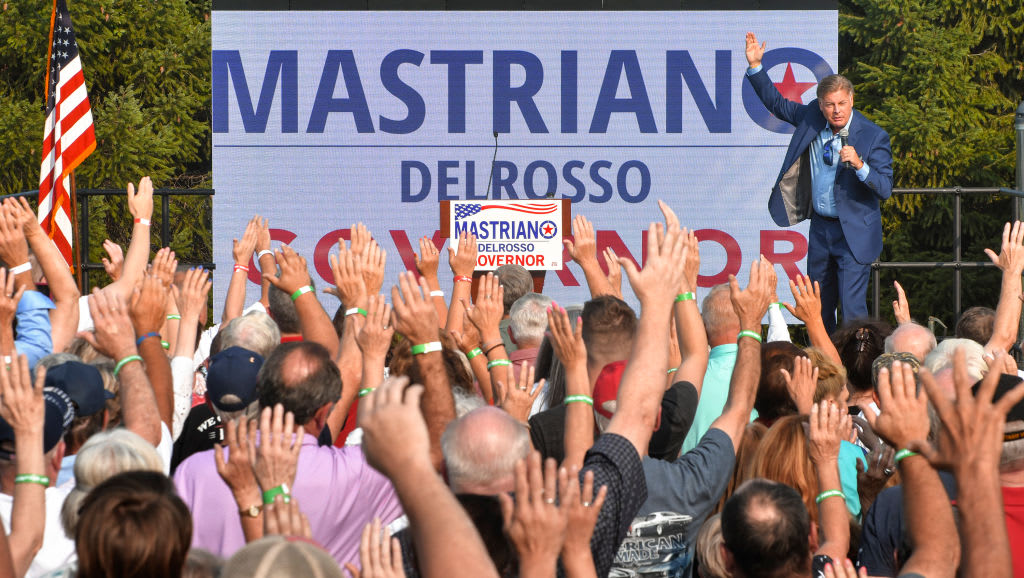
827 154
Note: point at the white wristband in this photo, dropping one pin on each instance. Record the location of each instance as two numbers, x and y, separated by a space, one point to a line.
263 252
437 293
23 268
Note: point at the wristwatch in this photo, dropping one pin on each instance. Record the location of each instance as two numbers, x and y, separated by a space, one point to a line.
253 511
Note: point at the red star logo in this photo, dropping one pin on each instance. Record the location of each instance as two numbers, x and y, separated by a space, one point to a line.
547 230
789 88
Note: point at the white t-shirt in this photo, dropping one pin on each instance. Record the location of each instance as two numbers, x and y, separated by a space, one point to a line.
57 549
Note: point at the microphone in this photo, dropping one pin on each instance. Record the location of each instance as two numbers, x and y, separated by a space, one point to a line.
844 136
490 177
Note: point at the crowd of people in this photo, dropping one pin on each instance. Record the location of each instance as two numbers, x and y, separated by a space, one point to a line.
492 431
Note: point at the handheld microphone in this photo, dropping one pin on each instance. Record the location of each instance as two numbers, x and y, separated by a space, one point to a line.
490 177
844 136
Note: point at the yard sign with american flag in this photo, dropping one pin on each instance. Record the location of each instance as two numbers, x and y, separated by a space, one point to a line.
526 233
68 136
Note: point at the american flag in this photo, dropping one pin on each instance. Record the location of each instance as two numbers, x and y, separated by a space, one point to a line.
464 210
68 136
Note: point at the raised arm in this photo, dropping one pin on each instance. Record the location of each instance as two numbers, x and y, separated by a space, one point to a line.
690 332
583 249
147 313
783 108
242 251
462 263
63 289
750 305
426 263
1011 261
643 381
350 287
807 297
486 318
900 307
141 207
579 405
971 444
294 280
929 516
829 425
416 319
397 443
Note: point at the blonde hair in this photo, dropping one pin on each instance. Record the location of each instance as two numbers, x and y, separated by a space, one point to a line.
103 456
708 549
783 457
831 375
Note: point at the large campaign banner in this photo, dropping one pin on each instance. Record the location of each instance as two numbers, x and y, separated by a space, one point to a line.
325 119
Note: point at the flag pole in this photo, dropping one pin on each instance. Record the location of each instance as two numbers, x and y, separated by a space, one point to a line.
76 252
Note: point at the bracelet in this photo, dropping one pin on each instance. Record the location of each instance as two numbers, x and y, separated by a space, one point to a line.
437 293
581 398
673 370
174 317
241 268
473 353
748 333
462 278
165 344
23 268
262 253
429 347
354 311
497 363
126 361
829 494
366 391
904 454
688 296
142 221
493 347
282 490
302 291
146 336
32 479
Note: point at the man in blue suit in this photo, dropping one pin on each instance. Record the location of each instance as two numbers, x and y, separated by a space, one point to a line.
837 169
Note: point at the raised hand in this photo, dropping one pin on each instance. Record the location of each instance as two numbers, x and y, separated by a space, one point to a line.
9 299
23 407
379 554
582 508
486 314
751 303
349 283
518 400
394 431
661 276
275 460
112 335
830 424
469 337
900 307
611 261
754 51
845 569
140 204
583 247
164 266
115 264
192 295
807 298
566 341
428 259
294 273
360 238
691 268
148 304
463 263
1011 254
284 518
413 315
534 523
236 468
244 249
374 261
904 416
13 245
375 333
801 383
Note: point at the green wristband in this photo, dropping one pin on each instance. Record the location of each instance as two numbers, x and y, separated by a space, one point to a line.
32 479
829 494
473 353
673 370
126 361
748 333
904 454
365 392
165 344
498 362
355 311
174 317
302 291
688 296
581 398
282 490
430 347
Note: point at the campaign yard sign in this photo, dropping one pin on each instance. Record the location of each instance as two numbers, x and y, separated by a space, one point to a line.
524 233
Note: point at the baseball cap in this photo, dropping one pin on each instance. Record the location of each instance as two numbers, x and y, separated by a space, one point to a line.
59 414
1016 413
233 372
606 388
83 384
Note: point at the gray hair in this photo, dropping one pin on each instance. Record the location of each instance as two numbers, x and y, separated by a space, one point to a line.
481 448
717 311
103 456
254 331
832 83
528 317
55 359
890 341
942 357
516 281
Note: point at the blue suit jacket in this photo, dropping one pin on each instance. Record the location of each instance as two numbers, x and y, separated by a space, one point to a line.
856 201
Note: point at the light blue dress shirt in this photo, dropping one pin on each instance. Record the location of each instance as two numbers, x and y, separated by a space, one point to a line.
33 339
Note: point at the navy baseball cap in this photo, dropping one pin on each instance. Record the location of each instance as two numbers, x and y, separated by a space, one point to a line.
59 414
83 384
233 372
